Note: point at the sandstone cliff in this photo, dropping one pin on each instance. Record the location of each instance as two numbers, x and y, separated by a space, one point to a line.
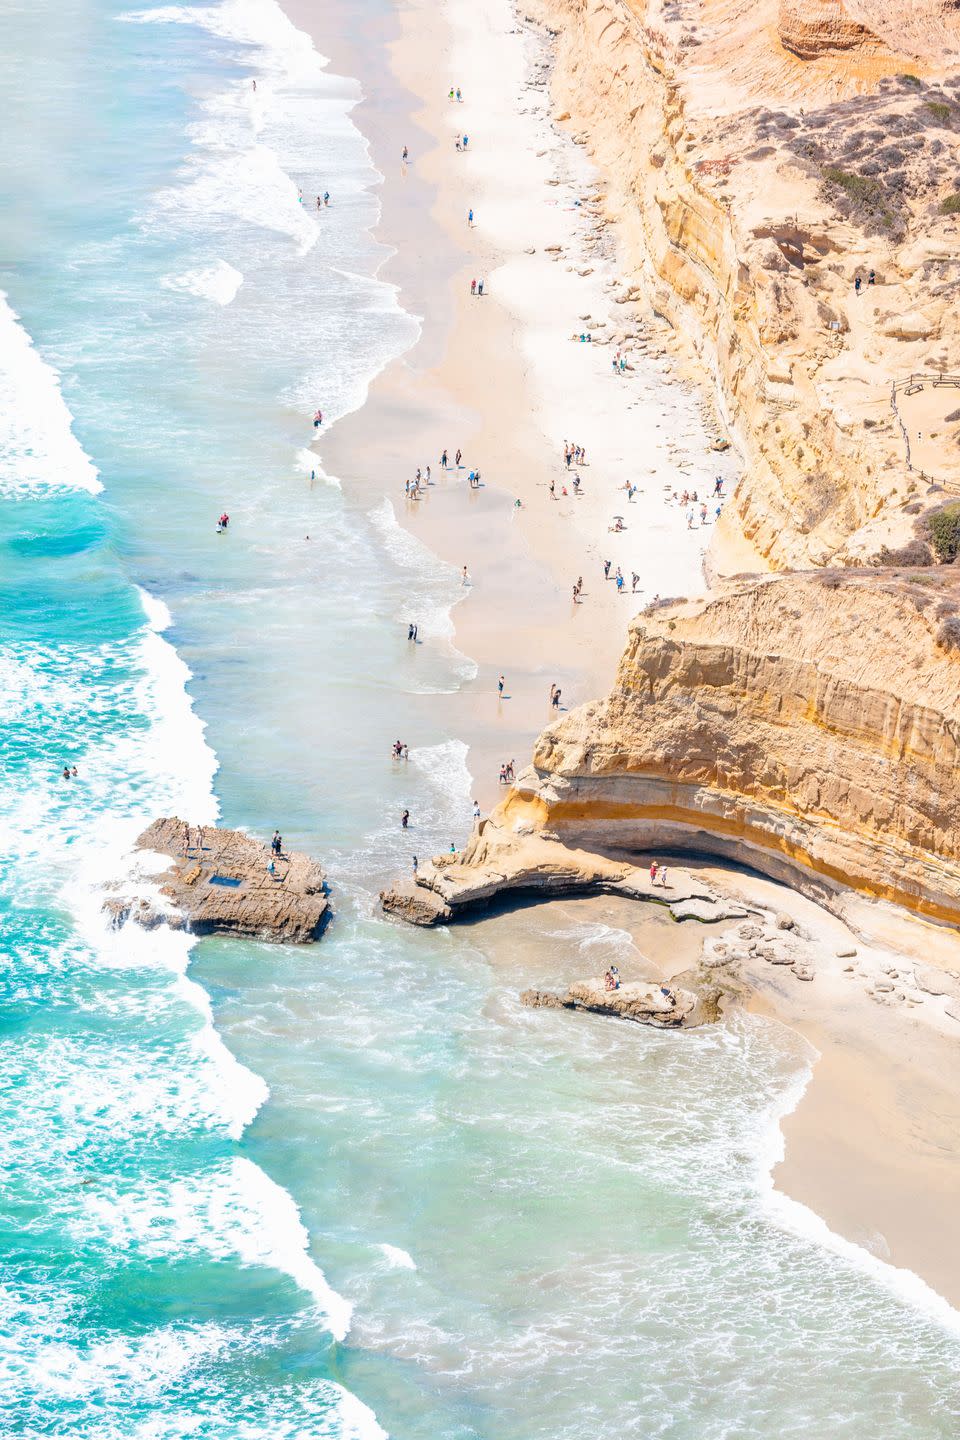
808 725
758 156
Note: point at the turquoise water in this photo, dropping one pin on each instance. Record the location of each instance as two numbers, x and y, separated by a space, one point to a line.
257 1192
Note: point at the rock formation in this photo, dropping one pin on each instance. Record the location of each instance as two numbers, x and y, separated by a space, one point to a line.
226 887
667 1007
806 725
508 860
758 155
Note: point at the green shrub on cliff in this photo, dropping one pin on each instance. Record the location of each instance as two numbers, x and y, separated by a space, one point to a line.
951 205
944 528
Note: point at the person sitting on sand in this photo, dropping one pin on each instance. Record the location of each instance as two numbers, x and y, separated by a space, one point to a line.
609 983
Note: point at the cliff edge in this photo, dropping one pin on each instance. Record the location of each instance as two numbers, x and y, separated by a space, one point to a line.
758 157
805 725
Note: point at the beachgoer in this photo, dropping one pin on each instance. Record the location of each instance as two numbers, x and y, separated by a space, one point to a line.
414 864
450 93
634 581
254 85
73 772
654 867
511 771
619 584
317 419
466 141
470 217
453 848
606 569
872 277
500 685
690 519
405 154
663 876
458 457
326 197
458 143
476 810
410 631
473 287
479 287
703 513
555 698
503 774
272 867
459 96
405 819
464 577
443 461
857 284
608 982
66 772
718 485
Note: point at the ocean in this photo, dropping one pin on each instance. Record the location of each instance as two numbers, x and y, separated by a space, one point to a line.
350 1189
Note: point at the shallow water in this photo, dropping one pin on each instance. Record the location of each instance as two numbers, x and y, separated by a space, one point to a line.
251 1191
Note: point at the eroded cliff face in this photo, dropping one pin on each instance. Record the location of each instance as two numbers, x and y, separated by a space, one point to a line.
808 725
759 155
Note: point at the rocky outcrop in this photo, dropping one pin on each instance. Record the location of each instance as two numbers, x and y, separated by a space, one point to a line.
757 156
513 861
220 882
667 1007
806 725
812 28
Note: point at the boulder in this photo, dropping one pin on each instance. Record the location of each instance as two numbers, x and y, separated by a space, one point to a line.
219 882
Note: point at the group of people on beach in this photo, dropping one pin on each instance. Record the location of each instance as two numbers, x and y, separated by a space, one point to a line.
70 772
507 775
401 751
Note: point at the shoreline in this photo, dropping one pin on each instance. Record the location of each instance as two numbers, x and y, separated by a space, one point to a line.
501 357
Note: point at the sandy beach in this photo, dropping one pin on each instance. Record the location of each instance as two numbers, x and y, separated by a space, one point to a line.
502 378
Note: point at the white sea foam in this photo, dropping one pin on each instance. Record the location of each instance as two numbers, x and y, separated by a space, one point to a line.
233 1211
219 282
799 1220
307 463
437 586
38 449
396 1258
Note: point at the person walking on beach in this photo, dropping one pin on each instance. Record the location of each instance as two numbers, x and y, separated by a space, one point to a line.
458 143
458 457
470 216
466 141
414 864
703 513
443 461
654 867
473 287
405 155
718 485
476 809
503 775
464 578
500 684
459 96
606 569
326 197
555 698
635 581
479 287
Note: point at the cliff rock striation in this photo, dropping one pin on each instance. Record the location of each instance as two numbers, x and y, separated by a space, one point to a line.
807 725
758 155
